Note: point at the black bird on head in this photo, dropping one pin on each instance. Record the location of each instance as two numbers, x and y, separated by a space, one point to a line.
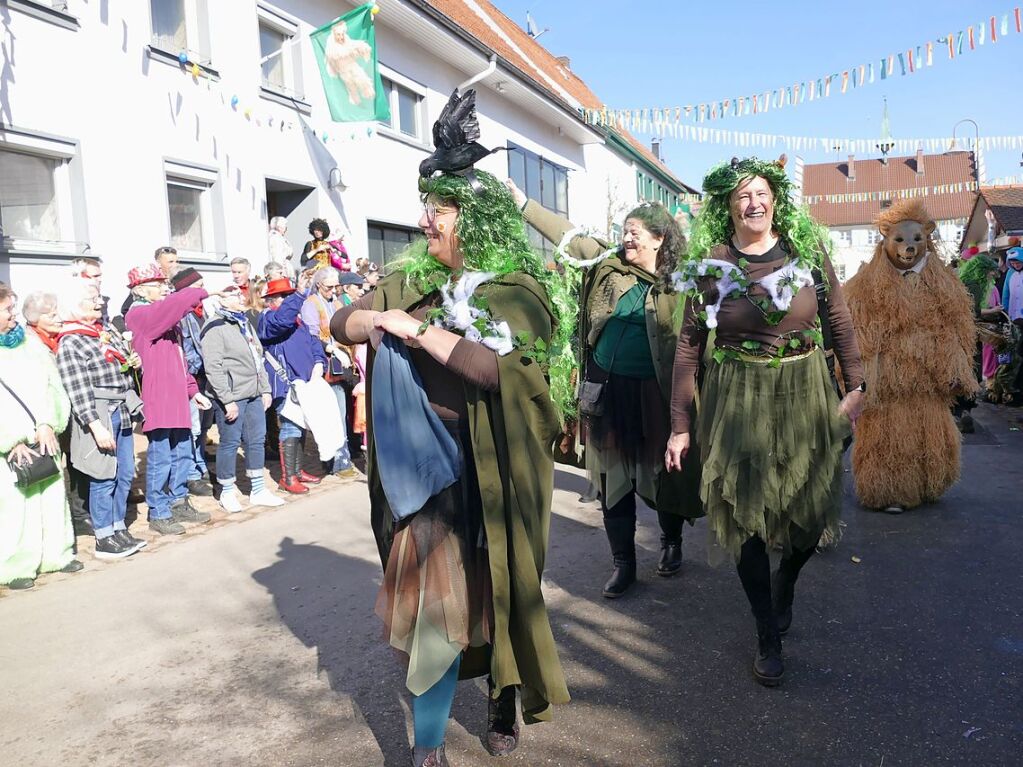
454 139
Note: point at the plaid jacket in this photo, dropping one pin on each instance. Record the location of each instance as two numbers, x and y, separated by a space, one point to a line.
83 368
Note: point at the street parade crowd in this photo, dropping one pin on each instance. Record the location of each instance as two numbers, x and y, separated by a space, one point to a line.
714 371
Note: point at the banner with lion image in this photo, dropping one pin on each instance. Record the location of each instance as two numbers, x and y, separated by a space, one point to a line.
346 50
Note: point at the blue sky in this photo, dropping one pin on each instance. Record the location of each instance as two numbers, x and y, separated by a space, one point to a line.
659 53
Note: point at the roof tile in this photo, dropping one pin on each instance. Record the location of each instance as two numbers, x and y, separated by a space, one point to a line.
1006 203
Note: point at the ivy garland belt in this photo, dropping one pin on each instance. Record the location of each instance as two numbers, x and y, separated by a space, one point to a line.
765 360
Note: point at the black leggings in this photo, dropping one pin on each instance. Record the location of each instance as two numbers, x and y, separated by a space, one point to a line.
755 573
671 524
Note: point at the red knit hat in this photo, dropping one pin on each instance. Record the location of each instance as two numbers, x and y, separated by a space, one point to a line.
149 272
280 287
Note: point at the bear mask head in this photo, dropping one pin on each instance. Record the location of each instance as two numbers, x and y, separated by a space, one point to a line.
907 230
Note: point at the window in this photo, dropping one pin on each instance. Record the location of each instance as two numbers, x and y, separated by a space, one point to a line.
406 110
28 198
843 237
543 181
873 236
649 189
281 74
387 241
190 207
181 25
53 11
37 193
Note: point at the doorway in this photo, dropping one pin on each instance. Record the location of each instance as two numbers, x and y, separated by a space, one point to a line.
298 204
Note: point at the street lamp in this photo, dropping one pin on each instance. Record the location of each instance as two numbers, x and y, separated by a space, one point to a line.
976 130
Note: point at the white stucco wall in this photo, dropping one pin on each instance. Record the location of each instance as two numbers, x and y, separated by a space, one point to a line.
98 87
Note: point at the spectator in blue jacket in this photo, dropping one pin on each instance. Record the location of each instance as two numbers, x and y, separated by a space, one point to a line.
191 326
297 356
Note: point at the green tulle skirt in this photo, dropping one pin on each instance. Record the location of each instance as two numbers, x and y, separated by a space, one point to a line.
772 452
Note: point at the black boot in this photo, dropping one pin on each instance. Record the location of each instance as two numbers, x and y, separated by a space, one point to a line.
671 557
768 668
671 544
783 585
621 534
754 568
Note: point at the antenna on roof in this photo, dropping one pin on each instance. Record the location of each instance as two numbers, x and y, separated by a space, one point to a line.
532 29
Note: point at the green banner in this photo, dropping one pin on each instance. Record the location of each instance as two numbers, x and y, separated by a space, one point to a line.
346 50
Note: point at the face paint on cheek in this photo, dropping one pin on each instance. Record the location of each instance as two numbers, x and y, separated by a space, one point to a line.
441 227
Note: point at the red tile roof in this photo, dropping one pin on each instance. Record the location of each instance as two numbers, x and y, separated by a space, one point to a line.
533 57
871 175
1006 203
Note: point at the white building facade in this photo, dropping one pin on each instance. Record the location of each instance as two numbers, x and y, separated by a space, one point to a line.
110 147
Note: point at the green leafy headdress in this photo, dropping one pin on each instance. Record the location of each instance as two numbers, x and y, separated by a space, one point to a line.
492 238
978 275
713 224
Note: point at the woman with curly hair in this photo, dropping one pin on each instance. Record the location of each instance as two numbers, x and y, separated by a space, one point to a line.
317 250
487 329
628 338
770 426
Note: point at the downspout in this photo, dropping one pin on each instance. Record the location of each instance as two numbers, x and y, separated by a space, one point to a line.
491 68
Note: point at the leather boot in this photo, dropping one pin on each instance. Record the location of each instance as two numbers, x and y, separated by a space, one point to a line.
621 534
289 467
671 557
308 479
768 668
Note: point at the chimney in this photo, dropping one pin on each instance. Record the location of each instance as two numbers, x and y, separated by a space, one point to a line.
655 147
851 168
919 162
565 61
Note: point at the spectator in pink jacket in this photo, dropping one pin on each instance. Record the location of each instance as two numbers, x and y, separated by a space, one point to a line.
167 387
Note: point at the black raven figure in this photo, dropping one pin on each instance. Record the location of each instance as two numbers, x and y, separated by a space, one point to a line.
454 138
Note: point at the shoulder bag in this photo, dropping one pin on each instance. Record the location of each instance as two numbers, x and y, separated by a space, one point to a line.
39 467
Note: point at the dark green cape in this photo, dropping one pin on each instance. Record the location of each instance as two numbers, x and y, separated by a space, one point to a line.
512 431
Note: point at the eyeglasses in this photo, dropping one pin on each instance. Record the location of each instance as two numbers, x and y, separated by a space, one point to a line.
432 209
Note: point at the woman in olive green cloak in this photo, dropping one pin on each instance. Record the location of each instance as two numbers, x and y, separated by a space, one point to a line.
627 334
461 595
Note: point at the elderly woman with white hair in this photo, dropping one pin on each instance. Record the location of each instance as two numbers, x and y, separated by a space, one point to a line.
317 311
95 366
279 248
43 320
35 528
40 312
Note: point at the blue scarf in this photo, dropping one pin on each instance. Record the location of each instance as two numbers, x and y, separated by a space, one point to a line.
238 318
12 338
416 456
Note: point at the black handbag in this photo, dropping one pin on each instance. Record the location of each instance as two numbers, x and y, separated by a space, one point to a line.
39 467
591 392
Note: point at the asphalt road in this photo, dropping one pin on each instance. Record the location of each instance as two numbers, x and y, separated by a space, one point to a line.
255 643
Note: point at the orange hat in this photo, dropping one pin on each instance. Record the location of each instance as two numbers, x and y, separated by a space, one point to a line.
146 273
280 287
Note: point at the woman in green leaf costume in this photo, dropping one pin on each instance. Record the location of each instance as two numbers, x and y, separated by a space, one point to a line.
487 329
628 337
770 426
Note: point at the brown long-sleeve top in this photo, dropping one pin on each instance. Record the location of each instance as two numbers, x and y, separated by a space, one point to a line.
469 361
739 320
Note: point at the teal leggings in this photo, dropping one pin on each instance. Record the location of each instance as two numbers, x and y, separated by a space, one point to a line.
430 711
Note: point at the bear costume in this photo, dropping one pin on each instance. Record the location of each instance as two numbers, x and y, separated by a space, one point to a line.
915 327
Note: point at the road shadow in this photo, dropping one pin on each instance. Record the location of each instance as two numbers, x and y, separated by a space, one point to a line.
326 600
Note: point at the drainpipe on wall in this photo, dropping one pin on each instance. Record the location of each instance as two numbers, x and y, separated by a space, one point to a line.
491 68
